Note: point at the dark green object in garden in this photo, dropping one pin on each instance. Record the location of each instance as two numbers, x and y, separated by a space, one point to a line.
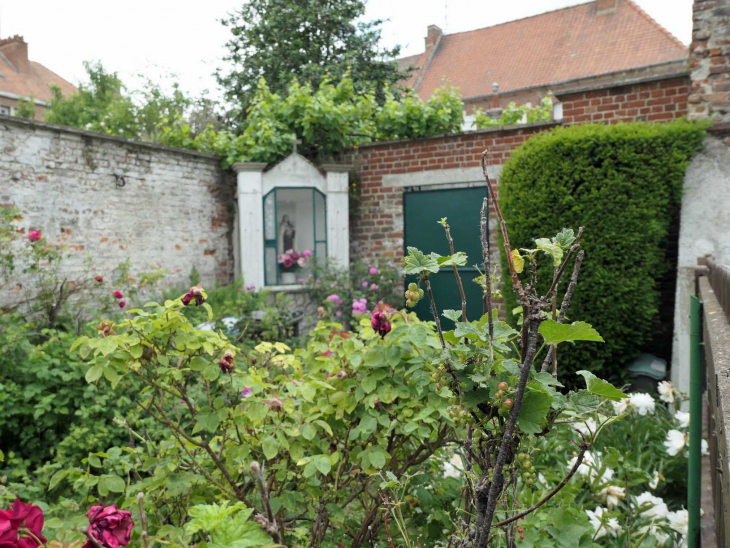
623 183
694 479
461 207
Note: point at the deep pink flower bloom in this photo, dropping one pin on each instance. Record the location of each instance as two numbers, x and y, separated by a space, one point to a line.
118 294
226 364
334 299
364 283
246 392
373 270
122 304
374 286
99 279
307 253
34 235
339 314
380 323
110 526
250 288
17 522
194 293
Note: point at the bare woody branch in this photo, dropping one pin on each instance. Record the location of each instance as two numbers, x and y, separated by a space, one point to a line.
456 272
487 263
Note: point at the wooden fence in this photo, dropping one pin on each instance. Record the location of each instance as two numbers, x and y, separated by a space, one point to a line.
713 289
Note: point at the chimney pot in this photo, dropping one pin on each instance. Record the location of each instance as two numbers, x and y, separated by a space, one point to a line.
495 87
433 36
16 50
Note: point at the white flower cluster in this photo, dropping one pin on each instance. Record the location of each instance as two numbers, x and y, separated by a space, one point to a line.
668 392
592 468
640 403
678 439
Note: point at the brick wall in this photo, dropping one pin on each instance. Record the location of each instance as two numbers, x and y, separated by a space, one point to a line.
710 64
172 213
376 225
654 101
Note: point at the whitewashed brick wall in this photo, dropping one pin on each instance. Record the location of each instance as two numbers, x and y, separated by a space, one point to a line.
174 212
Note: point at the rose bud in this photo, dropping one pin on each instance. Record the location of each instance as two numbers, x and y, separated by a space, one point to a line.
99 279
118 294
122 304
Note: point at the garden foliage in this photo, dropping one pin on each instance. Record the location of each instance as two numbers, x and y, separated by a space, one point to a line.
623 183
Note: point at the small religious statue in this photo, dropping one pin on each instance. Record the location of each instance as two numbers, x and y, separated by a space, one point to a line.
287 235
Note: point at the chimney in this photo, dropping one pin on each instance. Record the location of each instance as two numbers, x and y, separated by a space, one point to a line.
433 36
15 49
604 7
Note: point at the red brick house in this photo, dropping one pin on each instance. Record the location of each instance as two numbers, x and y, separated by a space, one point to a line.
20 77
599 42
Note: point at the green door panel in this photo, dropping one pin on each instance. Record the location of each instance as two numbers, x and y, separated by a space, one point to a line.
422 211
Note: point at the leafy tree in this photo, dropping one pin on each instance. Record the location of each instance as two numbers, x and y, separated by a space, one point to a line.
26 108
311 40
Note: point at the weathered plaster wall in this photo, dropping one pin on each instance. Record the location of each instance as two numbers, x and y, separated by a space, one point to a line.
174 211
704 230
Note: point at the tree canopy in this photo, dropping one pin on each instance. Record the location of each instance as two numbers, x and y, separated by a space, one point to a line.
309 40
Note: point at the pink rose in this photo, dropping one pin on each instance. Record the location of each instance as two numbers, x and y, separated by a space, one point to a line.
122 304
110 526
246 392
373 270
374 286
250 288
21 526
226 364
118 294
301 261
380 323
194 293
34 235
307 253
365 284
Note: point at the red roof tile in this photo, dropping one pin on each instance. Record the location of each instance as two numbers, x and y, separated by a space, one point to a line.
560 45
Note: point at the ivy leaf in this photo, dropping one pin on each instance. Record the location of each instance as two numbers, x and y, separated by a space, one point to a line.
453 315
555 333
457 259
600 387
534 411
550 248
418 263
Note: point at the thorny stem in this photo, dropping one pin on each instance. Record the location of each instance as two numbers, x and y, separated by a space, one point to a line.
583 448
143 520
456 272
505 447
259 477
564 308
486 259
503 226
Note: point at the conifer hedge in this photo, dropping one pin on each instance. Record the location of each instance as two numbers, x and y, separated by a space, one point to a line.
623 183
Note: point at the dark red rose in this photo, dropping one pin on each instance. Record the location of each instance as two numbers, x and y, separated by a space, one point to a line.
118 294
194 293
110 526
21 526
226 364
380 323
122 304
99 278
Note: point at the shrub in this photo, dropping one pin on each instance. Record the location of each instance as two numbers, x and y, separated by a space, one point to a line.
623 183
337 290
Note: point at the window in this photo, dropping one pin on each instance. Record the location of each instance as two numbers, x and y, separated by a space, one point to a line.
294 219
4 109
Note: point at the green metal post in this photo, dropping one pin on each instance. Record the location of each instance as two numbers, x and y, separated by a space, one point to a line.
695 423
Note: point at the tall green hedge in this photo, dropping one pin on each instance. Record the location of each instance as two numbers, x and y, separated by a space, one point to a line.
623 183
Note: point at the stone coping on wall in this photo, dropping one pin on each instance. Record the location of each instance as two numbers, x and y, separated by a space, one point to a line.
4 118
486 130
613 85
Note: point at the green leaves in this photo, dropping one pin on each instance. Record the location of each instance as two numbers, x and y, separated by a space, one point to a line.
555 333
534 410
417 263
552 249
453 315
600 387
457 259
227 526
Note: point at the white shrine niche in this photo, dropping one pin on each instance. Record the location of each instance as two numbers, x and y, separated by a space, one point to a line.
296 206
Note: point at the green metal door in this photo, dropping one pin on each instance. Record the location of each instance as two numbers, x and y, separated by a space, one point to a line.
462 206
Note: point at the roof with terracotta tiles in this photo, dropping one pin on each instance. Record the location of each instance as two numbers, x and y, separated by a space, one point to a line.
34 79
570 43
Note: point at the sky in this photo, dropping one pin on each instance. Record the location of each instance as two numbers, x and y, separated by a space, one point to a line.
185 37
